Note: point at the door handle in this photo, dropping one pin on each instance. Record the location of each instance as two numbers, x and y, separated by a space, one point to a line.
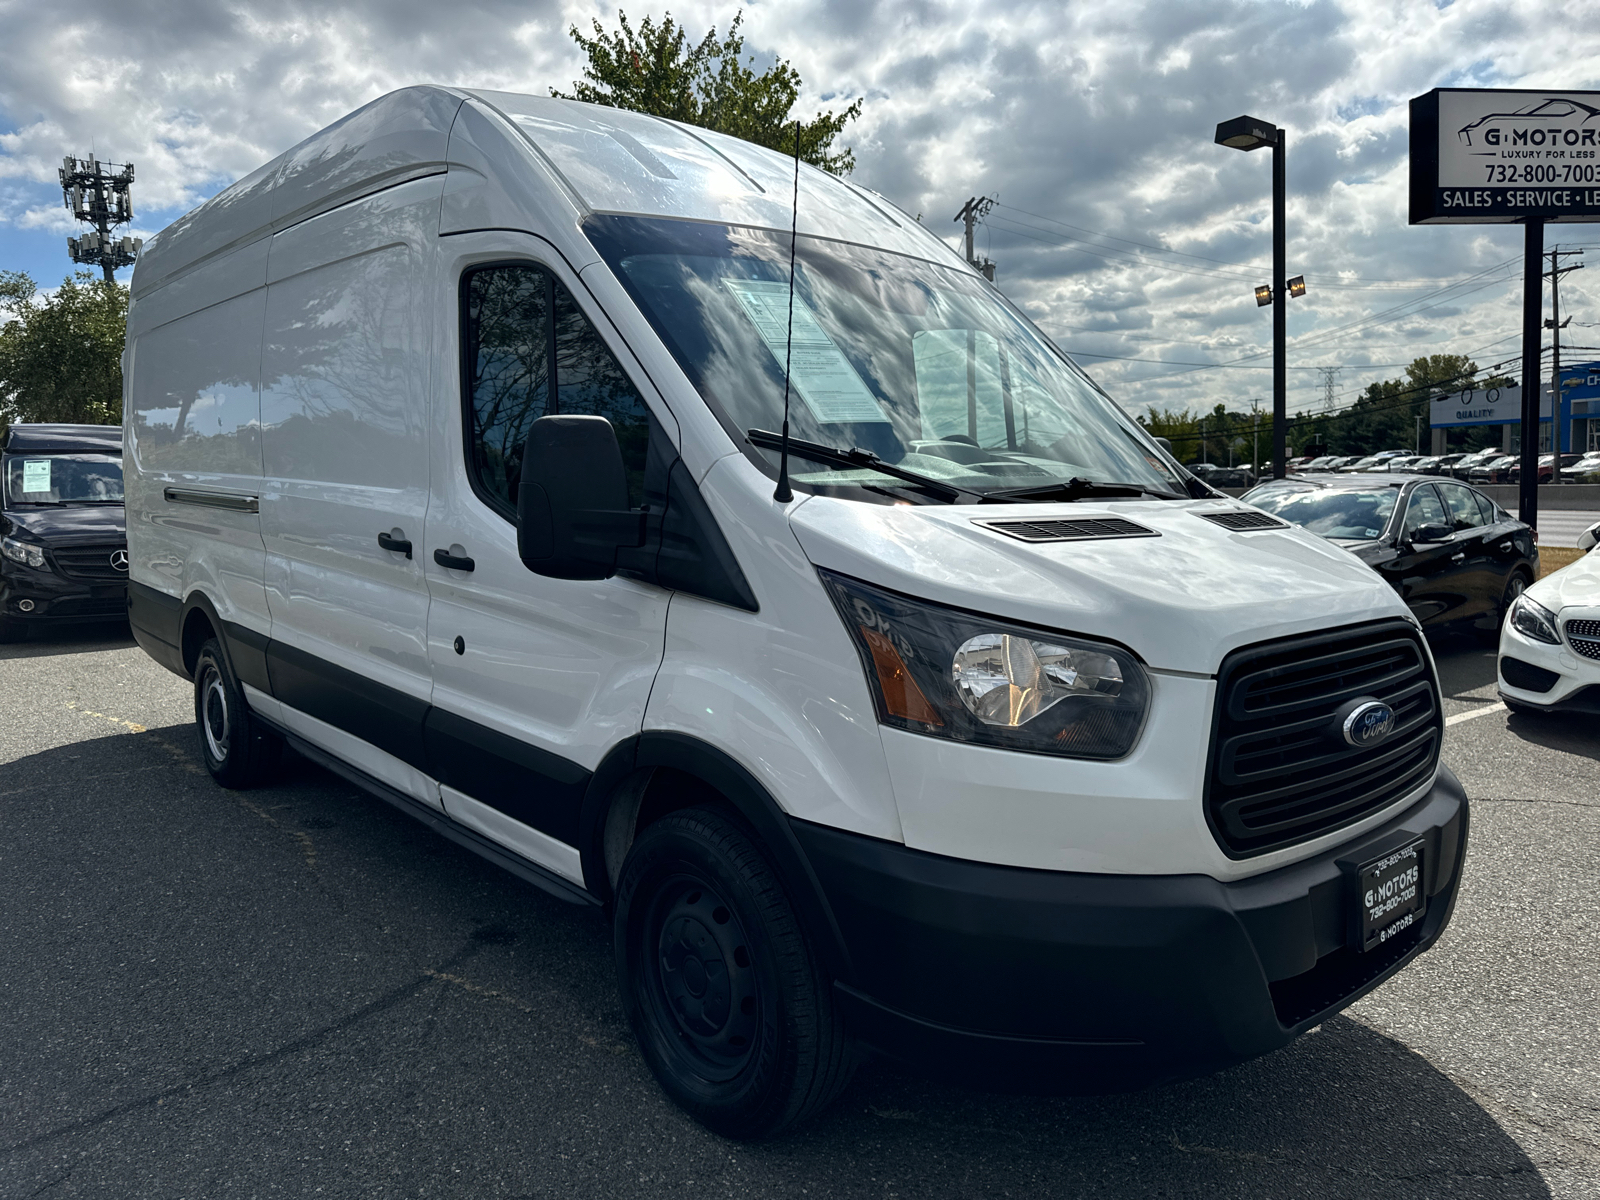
1458 556
453 562
398 545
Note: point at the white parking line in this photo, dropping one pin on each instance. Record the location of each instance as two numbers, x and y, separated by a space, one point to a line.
1475 712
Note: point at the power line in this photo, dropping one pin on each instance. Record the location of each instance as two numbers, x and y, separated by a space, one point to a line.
1247 272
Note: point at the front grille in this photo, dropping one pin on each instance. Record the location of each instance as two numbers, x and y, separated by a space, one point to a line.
1082 529
90 562
1243 520
1280 771
1584 637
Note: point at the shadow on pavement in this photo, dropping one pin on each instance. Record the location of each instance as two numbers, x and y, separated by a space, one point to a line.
70 639
1569 733
299 988
1466 662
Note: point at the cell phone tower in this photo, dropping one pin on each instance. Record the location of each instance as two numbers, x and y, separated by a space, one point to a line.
101 194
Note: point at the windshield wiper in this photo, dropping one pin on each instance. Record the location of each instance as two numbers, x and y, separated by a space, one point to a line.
856 457
1078 489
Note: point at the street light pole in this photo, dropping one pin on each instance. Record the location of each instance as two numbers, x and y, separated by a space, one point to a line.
1280 316
1252 133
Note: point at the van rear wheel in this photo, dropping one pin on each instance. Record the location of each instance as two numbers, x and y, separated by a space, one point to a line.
238 750
721 986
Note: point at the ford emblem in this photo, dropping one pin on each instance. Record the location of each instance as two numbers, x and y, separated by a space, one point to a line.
1368 723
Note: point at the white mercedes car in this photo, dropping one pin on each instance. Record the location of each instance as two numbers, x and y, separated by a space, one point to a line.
1550 642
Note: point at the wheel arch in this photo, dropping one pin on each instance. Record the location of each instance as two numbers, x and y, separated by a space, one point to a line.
656 773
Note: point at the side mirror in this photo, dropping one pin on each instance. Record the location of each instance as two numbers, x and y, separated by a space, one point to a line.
572 505
1432 533
1588 538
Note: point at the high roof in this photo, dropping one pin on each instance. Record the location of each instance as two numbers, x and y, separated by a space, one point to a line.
62 439
584 157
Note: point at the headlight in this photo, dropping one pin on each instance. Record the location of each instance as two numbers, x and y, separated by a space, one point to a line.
25 553
1533 620
947 673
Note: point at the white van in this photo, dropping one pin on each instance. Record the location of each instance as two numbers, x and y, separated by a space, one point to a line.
1003 747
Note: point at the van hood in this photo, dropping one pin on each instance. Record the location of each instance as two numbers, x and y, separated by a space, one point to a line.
70 521
1181 600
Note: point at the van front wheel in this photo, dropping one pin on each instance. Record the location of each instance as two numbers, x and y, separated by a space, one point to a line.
722 989
238 751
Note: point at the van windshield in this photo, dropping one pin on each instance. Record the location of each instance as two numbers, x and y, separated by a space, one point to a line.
920 364
62 479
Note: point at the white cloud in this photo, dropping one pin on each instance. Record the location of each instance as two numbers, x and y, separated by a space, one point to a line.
1095 115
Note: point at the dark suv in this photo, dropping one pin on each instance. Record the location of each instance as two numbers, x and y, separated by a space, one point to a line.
63 537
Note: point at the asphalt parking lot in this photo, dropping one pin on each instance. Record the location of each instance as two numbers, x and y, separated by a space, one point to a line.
299 991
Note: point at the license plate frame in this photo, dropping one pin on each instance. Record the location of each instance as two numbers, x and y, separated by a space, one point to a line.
1391 895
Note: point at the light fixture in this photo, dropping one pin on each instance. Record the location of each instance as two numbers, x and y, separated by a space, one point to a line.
1297 286
1247 133
1263 296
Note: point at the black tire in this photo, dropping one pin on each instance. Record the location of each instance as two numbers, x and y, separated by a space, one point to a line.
1515 586
238 750
760 1045
12 631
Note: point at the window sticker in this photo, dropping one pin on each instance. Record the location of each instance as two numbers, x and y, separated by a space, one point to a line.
818 369
36 475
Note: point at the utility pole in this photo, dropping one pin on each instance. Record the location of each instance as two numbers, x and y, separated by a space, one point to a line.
102 195
1255 438
971 211
1554 324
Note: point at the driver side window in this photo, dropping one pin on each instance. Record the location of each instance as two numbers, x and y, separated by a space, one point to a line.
1424 509
522 333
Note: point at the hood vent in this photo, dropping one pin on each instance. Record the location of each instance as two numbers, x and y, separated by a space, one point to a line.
1243 520
1081 530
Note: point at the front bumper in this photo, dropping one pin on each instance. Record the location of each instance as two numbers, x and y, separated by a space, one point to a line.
56 598
1081 983
1538 675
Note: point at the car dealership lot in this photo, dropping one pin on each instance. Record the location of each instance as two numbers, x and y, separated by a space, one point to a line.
299 990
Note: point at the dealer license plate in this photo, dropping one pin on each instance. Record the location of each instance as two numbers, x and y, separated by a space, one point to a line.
1390 893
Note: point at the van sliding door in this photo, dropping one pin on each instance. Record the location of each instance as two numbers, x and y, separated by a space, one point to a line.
345 370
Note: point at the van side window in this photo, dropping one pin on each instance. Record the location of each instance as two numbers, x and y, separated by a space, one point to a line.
523 329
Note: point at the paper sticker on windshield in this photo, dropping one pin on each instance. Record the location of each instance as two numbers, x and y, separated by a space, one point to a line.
36 475
818 370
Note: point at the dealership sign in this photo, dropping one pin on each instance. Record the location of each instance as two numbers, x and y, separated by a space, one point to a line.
1501 155
1487 406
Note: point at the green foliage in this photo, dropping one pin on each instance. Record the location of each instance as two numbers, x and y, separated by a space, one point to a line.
61 355
1384 416
1220 436
655 70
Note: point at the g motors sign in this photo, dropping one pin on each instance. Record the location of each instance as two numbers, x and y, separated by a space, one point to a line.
1497 156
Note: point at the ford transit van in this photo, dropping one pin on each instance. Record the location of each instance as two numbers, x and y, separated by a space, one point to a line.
960 725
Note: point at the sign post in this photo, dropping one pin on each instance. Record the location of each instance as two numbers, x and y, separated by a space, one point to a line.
1509 156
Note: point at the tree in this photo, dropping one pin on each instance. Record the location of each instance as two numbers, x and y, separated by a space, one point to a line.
1384 416
61 355
655 70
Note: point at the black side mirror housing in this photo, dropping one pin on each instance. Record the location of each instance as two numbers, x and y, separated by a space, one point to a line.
572 504
1432 533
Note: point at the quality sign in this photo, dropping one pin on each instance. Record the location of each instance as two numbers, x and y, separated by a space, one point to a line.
1486 406
1501 155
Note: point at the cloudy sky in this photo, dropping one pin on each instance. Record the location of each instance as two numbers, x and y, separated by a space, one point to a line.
1132 239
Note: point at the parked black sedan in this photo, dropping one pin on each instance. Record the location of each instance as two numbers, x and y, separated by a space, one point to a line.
63 544
1453 554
